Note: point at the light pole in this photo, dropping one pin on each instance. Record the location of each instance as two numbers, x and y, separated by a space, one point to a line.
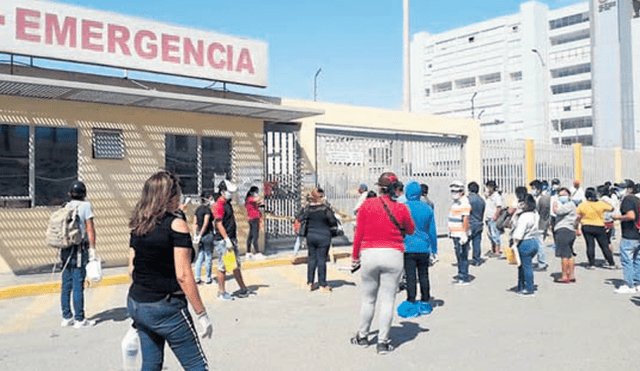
406 62
315 84
545 99
473 114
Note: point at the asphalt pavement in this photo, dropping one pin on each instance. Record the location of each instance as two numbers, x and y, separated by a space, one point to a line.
283 326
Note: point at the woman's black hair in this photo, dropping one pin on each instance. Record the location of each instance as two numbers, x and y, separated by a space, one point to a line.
590 194
372 194
252 190
521 193
529 203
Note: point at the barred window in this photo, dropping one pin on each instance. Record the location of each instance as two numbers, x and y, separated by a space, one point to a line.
108 144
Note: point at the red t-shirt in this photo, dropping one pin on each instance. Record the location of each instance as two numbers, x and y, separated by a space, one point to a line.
253 212
376 230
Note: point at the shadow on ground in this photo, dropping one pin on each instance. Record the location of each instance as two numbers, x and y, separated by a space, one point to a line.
406 333
115 314
616 282
339 283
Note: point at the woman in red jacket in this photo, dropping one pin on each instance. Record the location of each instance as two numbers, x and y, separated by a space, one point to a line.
252 204
378 247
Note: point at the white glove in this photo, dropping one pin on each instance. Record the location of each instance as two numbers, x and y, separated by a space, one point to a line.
197 238
228 243
205 324
92 254
433 259
464 239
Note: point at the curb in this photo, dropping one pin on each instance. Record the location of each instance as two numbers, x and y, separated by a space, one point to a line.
44 288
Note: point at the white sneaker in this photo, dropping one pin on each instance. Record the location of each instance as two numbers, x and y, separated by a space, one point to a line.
624 289
225 296
84 324
249 256
66 322
259 256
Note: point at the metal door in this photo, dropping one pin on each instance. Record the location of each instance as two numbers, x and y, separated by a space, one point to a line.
347 158
282 183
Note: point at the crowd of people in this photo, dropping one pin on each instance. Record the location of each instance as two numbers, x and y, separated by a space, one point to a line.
395 235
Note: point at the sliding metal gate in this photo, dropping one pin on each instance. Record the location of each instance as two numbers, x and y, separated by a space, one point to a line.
347 158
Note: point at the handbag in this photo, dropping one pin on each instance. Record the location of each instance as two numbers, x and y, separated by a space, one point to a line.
393 218
503 220
513 255
94 271
336 230
229 260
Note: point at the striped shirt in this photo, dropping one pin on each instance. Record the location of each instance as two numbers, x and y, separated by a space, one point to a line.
459 209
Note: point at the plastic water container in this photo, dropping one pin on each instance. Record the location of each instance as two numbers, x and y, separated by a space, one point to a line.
130 349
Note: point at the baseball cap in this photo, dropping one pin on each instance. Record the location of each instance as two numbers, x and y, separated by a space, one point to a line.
457 186
228 186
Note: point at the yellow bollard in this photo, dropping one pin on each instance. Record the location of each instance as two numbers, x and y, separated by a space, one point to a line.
530 161
577 161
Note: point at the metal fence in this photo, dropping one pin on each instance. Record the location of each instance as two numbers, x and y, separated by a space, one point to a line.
504 162
631 165
598 166
554 161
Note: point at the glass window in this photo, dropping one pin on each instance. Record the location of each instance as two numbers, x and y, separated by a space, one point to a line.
445 86
490 78
181 158
56 164
216 161
108 144
466 83
14 161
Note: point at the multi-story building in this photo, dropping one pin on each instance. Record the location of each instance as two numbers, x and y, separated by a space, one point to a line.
531 75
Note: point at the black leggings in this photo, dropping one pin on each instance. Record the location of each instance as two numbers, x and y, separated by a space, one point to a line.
254 226
318 247
592 233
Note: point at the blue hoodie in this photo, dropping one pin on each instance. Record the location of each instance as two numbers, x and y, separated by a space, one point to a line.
425 238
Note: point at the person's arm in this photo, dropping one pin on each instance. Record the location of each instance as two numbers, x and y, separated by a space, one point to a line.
433 235
465 223
91 233
184 273
132 255
630 215
194 225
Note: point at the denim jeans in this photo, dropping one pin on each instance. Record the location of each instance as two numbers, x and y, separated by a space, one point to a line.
630 259
167 320
527 250
417 262
542 251
476 242
73 280
221 248
204 253
462 255
493 232
318 247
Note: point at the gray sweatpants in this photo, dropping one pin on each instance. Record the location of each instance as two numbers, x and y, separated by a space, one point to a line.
381 271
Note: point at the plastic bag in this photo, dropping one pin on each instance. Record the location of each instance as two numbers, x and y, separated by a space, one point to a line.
94 271
229 259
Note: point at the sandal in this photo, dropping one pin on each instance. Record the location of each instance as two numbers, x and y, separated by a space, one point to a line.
357 340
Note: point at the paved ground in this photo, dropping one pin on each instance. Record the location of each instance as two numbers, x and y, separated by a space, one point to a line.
483 326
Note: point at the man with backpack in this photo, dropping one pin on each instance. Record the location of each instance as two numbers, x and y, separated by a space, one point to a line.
75 258
630 243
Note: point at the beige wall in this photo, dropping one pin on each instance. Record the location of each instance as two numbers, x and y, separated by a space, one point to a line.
363 117
114 185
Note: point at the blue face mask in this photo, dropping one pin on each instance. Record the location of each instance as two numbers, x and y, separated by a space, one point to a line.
563 199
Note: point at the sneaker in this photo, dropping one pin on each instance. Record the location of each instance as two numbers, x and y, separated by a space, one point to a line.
461 283
198 281
242 294
526 294
384 348
591 267
542 268
224 296
84 324
66 322
624 289
357 340
249 256
209 281
259 256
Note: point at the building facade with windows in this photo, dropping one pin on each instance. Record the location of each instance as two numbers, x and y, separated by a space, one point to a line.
550 75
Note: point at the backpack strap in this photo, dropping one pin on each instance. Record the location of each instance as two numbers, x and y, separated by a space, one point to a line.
392 218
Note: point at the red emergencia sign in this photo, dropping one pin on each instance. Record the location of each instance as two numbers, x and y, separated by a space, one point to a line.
64 32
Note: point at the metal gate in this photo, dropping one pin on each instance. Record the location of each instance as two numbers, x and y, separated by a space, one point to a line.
347 158
282 186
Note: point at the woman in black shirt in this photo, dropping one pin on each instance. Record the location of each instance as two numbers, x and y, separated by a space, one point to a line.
160 266
319 221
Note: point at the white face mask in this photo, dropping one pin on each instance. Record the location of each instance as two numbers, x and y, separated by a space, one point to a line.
456 196
226 194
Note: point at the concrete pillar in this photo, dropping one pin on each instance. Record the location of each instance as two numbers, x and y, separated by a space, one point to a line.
577 161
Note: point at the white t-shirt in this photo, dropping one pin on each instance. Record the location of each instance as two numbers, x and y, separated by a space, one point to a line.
85 212
492 204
